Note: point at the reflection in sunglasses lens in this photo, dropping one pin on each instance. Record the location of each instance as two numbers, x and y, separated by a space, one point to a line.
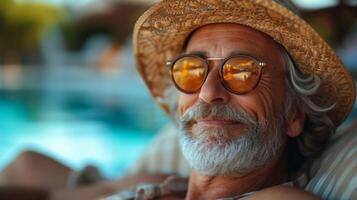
240 74
189 73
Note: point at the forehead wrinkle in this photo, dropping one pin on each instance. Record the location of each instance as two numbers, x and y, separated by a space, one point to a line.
236 28
237 43
235 39
217 48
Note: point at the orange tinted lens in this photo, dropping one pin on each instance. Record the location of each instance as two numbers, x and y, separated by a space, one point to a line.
241 74
189 73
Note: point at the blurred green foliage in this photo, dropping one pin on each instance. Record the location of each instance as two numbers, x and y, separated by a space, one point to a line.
23 24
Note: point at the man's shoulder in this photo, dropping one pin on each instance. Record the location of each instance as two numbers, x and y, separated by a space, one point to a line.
282 192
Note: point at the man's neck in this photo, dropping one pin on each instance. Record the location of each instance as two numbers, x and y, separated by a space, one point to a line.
214 187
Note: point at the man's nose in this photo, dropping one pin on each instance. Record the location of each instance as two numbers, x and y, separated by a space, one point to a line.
212 89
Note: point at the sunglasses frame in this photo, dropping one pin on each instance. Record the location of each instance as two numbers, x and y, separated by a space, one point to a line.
170 64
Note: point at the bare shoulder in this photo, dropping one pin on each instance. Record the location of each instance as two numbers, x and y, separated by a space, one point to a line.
283 192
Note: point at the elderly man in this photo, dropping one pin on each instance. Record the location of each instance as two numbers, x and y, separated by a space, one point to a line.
256 93
259 93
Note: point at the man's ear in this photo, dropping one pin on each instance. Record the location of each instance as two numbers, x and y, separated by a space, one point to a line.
296 120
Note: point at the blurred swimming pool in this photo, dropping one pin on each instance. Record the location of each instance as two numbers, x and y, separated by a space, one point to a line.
72 140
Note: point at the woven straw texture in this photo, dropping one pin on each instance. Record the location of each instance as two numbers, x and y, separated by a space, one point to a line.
160 33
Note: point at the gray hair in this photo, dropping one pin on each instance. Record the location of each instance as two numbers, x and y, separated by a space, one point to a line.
318 127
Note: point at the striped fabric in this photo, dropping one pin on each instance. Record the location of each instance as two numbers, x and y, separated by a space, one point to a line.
334 173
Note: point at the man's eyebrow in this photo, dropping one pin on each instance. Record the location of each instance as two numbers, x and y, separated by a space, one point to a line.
233 53
204 54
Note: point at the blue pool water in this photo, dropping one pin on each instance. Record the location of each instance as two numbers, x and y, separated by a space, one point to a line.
71 140
75 144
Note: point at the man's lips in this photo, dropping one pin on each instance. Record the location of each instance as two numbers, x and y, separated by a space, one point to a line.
216 122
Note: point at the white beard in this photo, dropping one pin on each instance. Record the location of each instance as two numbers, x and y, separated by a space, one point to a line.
211 152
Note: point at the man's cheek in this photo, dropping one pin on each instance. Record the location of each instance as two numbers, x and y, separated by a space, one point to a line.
185 102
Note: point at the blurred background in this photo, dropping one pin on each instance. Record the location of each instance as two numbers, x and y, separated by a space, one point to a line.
68 85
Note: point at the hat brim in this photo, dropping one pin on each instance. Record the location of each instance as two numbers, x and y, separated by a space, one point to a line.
160 34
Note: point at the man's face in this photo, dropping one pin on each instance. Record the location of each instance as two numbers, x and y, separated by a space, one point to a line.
220 128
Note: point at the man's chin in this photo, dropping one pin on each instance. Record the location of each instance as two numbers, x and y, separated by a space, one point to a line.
211 156
214 152
213 142
215 135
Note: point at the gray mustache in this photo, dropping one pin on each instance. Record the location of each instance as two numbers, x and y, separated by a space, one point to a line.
218 111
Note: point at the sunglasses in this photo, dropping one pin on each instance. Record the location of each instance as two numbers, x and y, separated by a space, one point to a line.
239 74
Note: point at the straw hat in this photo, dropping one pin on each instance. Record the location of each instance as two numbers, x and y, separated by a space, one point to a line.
160 34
